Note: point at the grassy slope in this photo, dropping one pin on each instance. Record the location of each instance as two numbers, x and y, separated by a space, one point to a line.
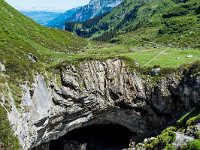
20 35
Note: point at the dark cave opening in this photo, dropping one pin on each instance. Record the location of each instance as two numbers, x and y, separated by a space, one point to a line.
95 137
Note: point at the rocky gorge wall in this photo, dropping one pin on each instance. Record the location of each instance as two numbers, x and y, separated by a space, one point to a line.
97 92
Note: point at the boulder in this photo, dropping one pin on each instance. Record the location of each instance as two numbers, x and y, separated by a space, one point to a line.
155 71
2 68
32 57
189 56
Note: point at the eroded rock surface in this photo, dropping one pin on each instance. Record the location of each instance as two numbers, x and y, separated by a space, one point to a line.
101 93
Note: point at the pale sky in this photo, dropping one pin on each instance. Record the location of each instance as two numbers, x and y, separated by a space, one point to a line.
46 5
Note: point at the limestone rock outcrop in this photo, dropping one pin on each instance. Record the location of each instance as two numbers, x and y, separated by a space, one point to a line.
98 92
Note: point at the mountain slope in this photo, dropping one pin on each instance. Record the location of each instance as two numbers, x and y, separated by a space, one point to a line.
148 20
59 22
20 35
42 17
93 9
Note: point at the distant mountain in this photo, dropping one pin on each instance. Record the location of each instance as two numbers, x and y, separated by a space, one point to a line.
42 17
93 9
59 22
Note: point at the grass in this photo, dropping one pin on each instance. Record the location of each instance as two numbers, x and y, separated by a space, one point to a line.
172 57
192 145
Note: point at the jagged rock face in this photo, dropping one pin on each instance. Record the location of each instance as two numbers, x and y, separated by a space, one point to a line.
93 9
101 93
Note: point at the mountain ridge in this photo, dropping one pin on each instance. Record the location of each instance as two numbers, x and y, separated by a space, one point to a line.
94 8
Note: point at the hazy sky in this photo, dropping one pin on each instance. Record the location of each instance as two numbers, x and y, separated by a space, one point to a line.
46 5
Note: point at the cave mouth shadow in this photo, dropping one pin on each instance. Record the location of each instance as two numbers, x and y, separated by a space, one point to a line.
94 137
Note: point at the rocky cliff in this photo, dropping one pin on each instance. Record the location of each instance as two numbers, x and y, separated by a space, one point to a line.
97 92
93 9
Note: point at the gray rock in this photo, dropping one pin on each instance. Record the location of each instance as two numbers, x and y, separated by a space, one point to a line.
155 71
2 68
32 57
99 93
137 64
181 139
197 127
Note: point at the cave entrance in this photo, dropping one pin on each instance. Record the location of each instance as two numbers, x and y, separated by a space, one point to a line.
95 137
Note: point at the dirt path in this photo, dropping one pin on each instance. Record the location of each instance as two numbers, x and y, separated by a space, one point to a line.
154 58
